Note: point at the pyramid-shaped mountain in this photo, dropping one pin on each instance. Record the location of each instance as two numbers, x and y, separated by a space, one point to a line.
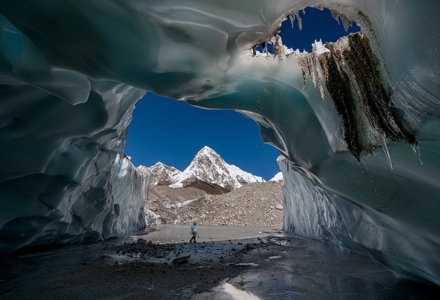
207 167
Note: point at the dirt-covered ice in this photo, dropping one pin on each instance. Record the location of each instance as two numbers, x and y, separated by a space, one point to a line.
226 263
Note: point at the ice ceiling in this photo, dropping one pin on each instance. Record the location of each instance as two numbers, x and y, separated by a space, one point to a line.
357 121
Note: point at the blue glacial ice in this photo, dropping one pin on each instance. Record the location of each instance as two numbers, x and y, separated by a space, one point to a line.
356 121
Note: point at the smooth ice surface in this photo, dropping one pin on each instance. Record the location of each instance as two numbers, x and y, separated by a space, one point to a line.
358 125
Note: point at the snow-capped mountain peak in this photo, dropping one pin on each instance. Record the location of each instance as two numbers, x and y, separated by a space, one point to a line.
207 166
210 167
205 160
162 174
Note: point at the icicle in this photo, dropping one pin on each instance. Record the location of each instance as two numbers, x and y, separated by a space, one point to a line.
264 46
335 15
279 48
385 150
302 62
292 20
299 20
311 67
316 65
346 22
416 150
254 50
363 163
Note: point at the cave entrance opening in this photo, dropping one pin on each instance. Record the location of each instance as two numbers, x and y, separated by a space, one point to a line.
173 132
312 24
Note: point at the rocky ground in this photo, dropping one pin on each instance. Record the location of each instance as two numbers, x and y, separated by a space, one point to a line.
274 266
255 204
141 267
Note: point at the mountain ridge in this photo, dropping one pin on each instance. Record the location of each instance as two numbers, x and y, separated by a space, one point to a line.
207 167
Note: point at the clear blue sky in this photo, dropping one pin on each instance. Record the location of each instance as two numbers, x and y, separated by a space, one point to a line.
173 132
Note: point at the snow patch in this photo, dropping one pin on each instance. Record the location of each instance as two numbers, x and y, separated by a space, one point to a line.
278 177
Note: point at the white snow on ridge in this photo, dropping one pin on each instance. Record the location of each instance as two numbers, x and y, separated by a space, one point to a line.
162 174
207 166
278 177
241 175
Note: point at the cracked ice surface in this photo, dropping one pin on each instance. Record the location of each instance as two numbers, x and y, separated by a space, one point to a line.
72 71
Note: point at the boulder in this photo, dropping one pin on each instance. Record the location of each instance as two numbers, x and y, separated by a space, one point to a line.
180 260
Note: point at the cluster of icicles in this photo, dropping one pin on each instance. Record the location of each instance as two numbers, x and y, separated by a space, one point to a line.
361 100
279 49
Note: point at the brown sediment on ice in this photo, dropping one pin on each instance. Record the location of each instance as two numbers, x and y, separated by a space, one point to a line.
360 93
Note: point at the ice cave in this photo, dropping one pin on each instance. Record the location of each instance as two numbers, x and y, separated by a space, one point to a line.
357 121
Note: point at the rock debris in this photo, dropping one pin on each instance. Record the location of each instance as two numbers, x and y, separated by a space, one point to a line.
255 204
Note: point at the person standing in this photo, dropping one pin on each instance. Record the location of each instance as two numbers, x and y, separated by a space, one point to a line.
194 233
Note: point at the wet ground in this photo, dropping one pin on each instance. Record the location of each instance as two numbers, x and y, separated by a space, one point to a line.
226 263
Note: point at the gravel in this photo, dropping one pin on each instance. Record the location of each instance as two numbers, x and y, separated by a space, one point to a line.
255 204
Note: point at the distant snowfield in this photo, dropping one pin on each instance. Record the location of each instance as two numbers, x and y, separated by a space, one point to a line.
178 205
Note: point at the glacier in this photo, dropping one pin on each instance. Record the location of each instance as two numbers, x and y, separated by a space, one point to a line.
356 121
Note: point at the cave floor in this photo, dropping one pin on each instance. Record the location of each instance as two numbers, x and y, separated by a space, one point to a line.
226 263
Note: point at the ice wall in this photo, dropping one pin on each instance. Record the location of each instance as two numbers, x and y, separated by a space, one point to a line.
62 177
357 121
128 191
